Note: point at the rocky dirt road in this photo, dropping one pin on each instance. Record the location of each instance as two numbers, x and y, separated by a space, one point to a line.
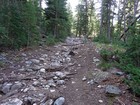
64 74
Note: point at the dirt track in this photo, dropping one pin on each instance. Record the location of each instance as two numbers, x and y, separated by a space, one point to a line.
80 87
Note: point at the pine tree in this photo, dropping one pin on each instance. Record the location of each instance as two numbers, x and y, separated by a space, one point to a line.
57 18
18 20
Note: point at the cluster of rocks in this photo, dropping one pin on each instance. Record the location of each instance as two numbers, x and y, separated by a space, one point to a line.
37 76
74 41
8 87
17 101
98 76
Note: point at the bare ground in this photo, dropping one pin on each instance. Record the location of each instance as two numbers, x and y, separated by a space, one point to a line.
76 91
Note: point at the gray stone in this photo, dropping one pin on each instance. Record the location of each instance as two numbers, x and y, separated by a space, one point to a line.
51 83
99 76
36 83
6 87
15 101
35 61
59 101
22 69
73 41
120 73
48 102
16 86
2 58
23 54
112 90
42 70
36 67
28 62
91 82
60 74
55 64
42 59
29 70
60 82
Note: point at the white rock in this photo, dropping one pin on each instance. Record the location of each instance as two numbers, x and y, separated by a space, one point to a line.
25 90
96 60
52 90
55 77
100 101
73 82
79 65
91 82
84 78
42 70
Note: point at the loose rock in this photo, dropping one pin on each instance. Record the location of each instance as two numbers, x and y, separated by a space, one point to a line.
15 101
119 73
42 70
17 86
84 78
35 61
59 101
6 87
60 82
112 90
60 74
48 102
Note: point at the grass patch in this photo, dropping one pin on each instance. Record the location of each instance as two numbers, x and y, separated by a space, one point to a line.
105 65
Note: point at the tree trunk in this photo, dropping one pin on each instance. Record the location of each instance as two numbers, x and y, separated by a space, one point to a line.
122 35
108 23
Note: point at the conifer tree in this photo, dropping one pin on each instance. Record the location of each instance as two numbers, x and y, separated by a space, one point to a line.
57 18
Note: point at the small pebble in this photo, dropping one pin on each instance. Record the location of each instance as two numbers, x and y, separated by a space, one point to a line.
100 101
84 78
52 90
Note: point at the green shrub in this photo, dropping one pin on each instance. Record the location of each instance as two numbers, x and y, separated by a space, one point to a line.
50 40
134 80
105 65
102 39
109 55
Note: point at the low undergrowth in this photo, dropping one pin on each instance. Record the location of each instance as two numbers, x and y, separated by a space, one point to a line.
122 59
